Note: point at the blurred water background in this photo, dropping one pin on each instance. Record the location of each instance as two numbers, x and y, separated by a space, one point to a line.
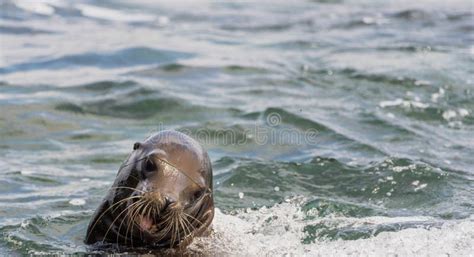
384 87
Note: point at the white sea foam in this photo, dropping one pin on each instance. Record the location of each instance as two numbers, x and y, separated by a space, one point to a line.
77 202
449 114
278 231
404 103
439 94
38 7
452 114
113 15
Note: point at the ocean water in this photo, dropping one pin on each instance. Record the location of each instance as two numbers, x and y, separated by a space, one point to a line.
335 127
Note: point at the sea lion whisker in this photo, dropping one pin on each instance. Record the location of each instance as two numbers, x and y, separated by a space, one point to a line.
110 207
166 219
121 223
118 216
194 223
165 216
180 228
172 233
120 227
150 208
189 234
175 230
140 212
118 231
161 234
123 200
170 229
130 220
185 226
194 219
190 224
133 217
145 209
128 224
133 207
145 213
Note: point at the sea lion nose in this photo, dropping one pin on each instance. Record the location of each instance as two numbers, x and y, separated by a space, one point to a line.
169 201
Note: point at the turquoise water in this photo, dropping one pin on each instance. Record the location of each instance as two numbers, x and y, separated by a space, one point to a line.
327 122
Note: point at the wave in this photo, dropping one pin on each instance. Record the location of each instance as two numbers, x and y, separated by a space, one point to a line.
393 186
120 58
178 71
131 100
326 134
124 107
120 99
413 15
52 233
102 87
18 30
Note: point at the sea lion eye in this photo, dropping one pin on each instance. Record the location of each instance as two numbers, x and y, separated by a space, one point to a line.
198 194
150 166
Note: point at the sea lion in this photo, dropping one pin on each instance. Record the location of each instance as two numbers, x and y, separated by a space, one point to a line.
161 197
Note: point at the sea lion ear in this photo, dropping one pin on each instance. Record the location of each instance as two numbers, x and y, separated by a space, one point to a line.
136 145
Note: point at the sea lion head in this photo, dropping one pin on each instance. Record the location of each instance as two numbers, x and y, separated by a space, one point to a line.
161 197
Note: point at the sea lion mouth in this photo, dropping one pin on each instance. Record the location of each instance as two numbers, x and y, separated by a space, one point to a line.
164 228
159 222
146 224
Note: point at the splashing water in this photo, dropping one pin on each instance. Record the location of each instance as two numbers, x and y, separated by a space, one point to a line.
334 127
